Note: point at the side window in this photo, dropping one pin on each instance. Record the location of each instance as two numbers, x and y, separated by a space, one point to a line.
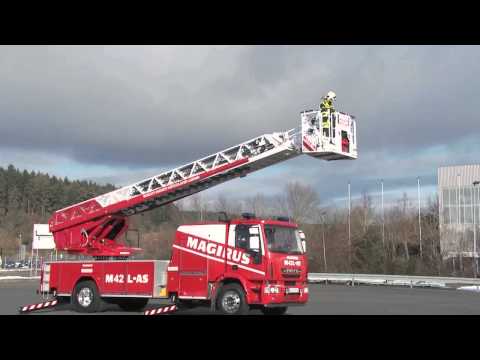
270 237
247 238
242 235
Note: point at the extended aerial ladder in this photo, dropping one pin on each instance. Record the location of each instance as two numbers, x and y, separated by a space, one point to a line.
92 227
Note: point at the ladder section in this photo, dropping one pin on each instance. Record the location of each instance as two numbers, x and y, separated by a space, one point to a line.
172 185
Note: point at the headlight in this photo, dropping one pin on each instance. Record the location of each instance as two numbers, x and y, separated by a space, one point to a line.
272 290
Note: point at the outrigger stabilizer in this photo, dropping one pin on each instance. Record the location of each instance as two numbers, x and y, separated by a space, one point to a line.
161 310
39 306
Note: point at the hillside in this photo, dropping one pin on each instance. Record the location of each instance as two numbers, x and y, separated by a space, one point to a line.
29 197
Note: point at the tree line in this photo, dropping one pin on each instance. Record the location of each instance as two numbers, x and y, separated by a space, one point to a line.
378 243
31 197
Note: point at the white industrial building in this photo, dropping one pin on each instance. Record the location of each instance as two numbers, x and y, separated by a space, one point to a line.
459 210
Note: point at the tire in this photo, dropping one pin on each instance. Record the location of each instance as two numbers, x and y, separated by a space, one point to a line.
232 300
86 298
274 310
135 304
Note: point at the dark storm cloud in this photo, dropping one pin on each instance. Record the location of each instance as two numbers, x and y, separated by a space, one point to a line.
161 106
137 106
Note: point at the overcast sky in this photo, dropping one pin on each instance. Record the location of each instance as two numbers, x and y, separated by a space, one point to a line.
122 113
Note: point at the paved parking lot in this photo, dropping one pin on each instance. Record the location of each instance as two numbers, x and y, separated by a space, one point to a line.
324 300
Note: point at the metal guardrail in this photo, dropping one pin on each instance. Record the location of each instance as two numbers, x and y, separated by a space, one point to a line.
351 279
14 270
395 280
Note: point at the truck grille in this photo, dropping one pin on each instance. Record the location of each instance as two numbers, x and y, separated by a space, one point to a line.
287 272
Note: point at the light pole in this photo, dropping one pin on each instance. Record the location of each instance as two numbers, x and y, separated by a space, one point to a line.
419 220
323 240
475 267
349 231
383 220
383 232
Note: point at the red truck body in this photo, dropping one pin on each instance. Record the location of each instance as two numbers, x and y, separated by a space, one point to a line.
205 257
135 278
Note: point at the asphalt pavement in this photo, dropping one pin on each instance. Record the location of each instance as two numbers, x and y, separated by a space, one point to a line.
324 300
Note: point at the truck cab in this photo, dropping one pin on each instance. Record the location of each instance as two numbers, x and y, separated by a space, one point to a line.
240 264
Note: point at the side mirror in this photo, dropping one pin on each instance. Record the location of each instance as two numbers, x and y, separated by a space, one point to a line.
302 238
254 249
254 243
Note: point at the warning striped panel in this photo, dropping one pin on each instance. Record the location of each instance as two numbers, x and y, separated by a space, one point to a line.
38 306
161 310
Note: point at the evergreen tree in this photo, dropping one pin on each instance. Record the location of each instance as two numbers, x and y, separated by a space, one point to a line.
3 192
31 197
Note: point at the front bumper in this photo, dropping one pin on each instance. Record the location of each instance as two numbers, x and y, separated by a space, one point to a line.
284 295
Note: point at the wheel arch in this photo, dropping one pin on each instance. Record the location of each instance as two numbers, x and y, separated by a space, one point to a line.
83 278
231 280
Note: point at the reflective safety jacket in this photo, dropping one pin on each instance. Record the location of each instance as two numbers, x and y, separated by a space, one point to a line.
326 104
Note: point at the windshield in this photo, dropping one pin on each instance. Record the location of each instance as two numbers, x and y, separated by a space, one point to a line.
283 239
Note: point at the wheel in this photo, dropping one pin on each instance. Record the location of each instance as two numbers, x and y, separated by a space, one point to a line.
274 310
232 301
134 304
86 298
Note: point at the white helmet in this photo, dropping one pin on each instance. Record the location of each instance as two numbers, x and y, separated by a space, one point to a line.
331 95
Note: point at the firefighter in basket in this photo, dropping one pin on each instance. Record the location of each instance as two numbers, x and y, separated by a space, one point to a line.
326 110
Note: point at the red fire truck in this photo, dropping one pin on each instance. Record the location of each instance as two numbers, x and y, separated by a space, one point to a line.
230 265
